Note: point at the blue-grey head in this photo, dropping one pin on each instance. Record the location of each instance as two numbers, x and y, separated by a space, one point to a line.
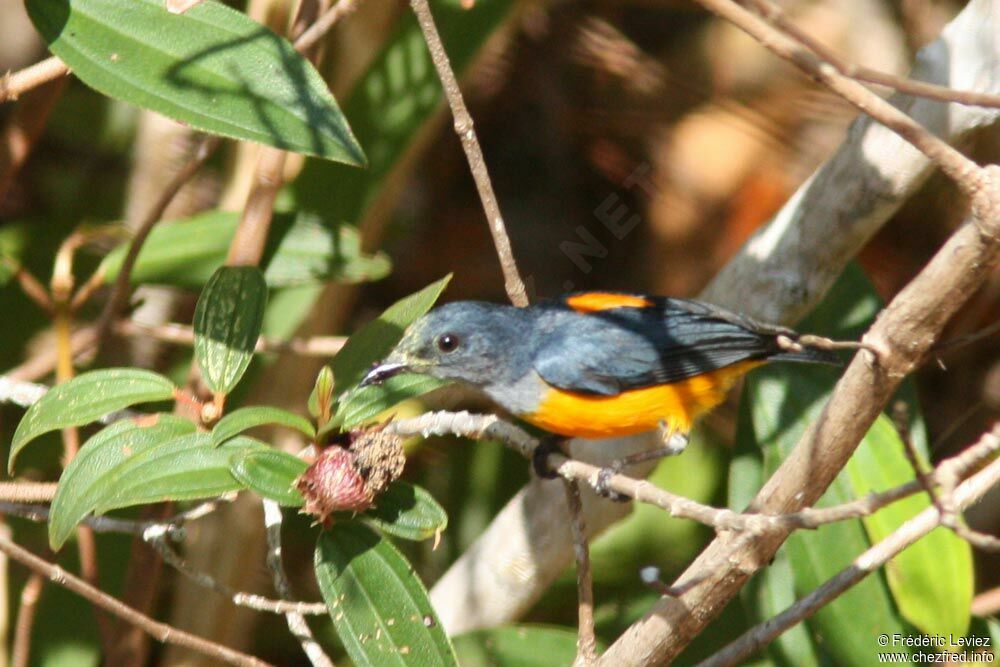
467 341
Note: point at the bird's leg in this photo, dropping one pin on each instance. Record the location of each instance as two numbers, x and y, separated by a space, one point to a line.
550 444
673 444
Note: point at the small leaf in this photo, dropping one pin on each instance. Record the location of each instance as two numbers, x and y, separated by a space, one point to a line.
321 398
86 398
247 418
931 580
517 646
300 251
211 67
80 484
379 606
407 511
227 323
377 338
186 468
362 404
271 474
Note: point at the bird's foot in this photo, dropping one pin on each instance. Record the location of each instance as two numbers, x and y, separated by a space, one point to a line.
540 457
602 484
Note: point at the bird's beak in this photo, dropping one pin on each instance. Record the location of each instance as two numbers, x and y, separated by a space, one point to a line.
382 372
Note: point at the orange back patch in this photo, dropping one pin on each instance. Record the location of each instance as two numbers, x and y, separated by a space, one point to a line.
675 405
591 302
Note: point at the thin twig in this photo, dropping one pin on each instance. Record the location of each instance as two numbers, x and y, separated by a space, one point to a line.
182 334
987 603
477 164
774 13
15 84
296 621
959 168
156 536
27 608
324 23
586 643
27 492
119 291
160 631
171 526
871 560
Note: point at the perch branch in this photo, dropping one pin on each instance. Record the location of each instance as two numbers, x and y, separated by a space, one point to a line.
15 84
586 643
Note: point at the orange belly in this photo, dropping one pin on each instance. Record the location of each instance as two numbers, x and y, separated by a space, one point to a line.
675 405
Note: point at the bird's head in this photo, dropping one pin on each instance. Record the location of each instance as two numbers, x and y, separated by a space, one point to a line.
467 341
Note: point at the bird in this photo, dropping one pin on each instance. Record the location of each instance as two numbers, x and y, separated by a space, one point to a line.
595 364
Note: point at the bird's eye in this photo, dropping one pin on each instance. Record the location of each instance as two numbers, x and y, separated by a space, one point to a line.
447 342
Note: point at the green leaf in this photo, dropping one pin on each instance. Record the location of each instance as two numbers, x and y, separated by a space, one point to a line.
88 397
379 606
271 474
227 323
407 511
932 580
377 338
185 468
362 404
210 67
80 485
517 646
300 250
247 418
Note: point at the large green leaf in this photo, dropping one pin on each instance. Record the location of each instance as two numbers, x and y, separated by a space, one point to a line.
80 486
932 580
185 468
271 474
300 250
227 323
517 646
407 511
361 404
247 418
379 606
210 67
88 397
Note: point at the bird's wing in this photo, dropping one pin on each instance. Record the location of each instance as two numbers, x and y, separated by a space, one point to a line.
613 350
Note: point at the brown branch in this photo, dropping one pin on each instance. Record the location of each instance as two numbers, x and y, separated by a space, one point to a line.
25 126
904 333
871 560
160 631
119 291
477 164
586 643
776 15
324 23
987 603
27 492
27 609
959 168
182 334
15 84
